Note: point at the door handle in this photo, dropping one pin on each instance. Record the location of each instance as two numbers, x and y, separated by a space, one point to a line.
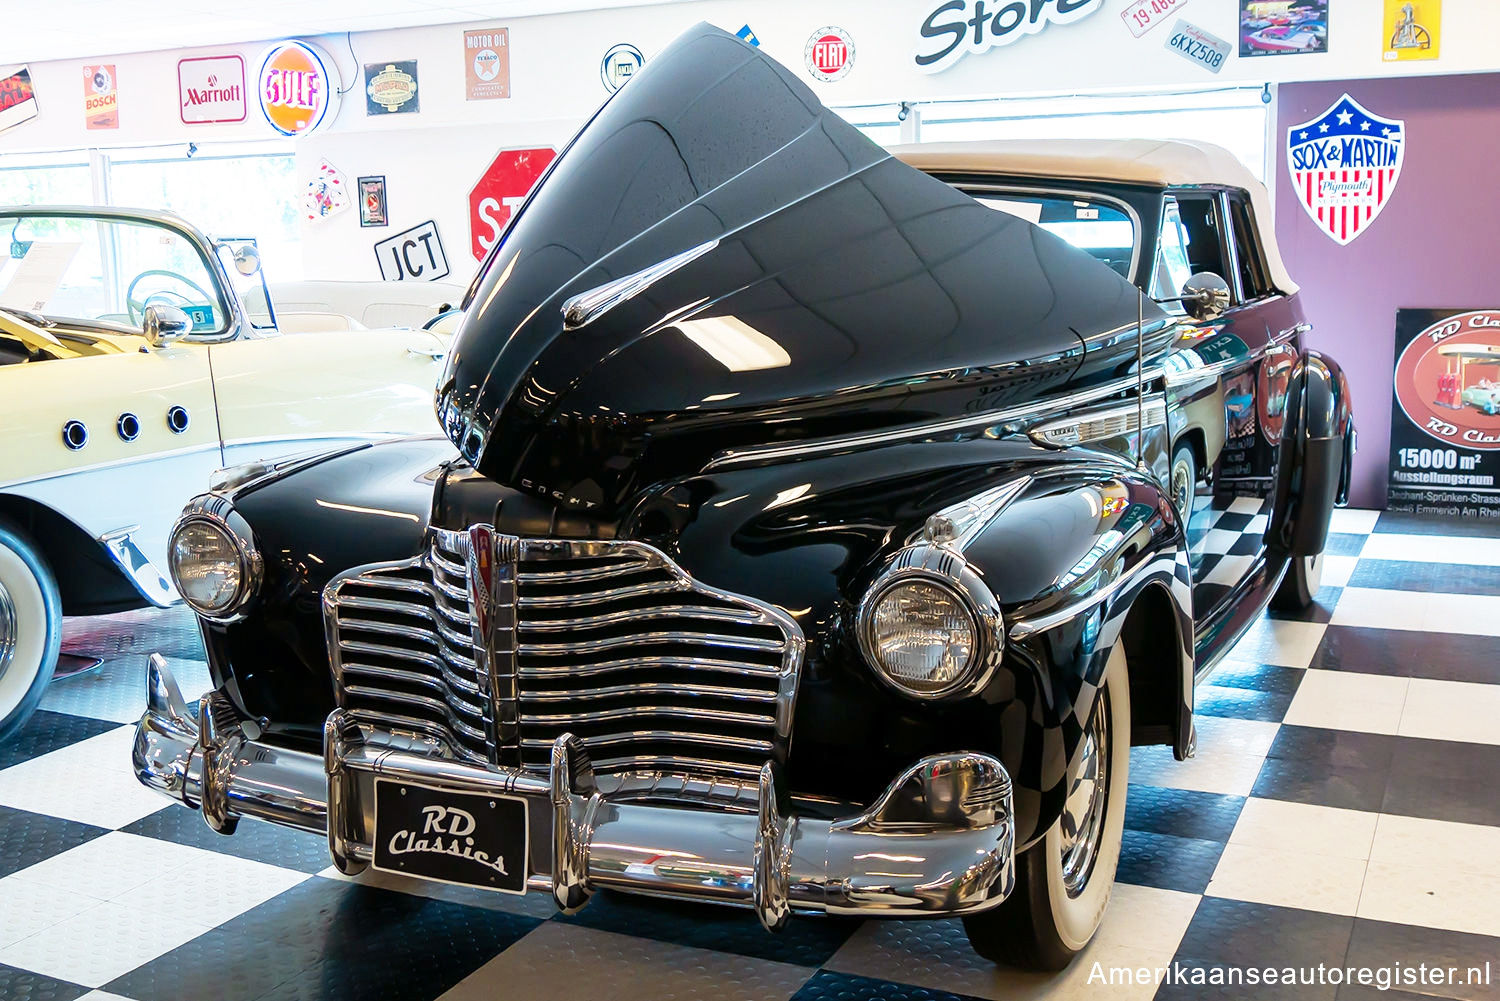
1290 332
433 353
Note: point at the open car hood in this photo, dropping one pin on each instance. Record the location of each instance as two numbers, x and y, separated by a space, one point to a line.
747 268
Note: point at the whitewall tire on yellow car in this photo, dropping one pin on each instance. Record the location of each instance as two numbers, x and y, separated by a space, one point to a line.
30 628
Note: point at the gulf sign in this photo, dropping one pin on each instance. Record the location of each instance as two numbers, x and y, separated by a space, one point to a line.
298 88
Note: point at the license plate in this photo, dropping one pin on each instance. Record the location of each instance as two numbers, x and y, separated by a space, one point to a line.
451 837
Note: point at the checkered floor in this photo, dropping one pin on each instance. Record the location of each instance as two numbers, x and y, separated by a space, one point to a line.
1343 809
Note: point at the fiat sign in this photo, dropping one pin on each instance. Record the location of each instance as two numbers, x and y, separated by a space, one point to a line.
298 88
502 189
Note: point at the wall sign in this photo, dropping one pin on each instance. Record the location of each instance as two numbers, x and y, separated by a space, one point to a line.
211 90
746 35
1344 166
1140 16
960 27
17 99
619 64
327 193
1283 27
372 209
1199 46
391 88
829 53
1411 29
101 108
1445 418
298 88
500 190
415 255
487 64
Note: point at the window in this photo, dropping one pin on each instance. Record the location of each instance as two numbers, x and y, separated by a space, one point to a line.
49 184
1096 227
1172 268
1255 279
1200 222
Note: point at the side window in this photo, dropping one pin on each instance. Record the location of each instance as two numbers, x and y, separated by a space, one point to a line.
1254 276
1172 268
1205 245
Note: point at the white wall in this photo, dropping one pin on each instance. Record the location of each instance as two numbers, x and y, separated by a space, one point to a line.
431 159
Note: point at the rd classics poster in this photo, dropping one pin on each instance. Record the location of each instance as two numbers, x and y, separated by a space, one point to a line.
1445 418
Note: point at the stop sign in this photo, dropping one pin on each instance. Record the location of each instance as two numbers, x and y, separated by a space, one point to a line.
500 191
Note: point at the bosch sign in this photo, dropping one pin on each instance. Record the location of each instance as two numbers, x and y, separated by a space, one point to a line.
960 27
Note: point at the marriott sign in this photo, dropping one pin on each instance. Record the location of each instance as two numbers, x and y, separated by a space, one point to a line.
211 89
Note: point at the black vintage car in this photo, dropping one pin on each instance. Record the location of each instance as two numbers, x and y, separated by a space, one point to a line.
819 534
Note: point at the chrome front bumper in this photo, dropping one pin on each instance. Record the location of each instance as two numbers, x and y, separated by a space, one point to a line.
939 842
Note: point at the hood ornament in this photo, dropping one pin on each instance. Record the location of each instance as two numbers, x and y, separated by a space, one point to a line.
585 307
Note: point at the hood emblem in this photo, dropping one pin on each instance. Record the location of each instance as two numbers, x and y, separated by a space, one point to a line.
585 307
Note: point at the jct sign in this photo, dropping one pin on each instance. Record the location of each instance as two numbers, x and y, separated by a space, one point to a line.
500 191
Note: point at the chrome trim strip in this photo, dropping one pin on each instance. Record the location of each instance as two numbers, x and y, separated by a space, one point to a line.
152 584
957 525
1096 425
1022 628
586 307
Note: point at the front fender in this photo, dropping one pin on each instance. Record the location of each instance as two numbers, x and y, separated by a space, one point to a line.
1317 448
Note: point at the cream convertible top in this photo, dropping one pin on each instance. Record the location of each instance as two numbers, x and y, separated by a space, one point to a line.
1169 163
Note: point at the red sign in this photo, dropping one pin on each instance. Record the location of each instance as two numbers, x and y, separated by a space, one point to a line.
1448 380
500 191
829 54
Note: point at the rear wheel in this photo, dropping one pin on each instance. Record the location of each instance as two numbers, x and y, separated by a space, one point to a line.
1300 585
30 628
1063 882
1184 480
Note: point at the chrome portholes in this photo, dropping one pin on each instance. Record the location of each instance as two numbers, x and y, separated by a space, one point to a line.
177 419
128 427
1088 795
75 435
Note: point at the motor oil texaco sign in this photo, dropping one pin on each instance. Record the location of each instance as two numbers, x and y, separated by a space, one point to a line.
1344 166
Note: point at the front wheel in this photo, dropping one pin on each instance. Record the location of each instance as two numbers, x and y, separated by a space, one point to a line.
1063 881
1300 585
30 628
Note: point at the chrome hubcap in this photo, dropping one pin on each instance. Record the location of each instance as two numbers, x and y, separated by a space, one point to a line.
1083 813
1182 487
8 630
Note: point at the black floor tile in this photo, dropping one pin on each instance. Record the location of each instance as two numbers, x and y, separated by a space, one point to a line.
1167 862
1405 523
23 985
825 985
1360 992
1437 797
29 838
1409 654
1194 979
1382 945
1240 703
1407 575
326 939
1182 813
49 731
1237 933
1232 522
1260 677
1323 748
252 839
1299 782
806 942
1321 610
1344 545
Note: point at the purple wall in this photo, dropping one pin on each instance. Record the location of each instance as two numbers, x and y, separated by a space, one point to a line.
1436 244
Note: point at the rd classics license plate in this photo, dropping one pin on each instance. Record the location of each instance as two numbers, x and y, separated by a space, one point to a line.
451 837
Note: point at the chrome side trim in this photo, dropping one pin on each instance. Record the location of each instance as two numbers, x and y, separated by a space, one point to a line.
586 307
1096 425
959 524
129 558
740 458
1023 628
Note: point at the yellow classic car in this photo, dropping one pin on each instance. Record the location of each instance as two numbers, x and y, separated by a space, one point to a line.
178 367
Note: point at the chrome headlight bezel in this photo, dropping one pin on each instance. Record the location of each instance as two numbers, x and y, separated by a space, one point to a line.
218 512
947 570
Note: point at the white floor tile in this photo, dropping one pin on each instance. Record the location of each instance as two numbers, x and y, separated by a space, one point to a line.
1283 643
1432 896
1146 918
1228 571
103 996
1338 569
1229 759
1433 549
91 782
1344 700
1452 710
1353 521
1220 734
1288 877
100 944
223 887
31 907
1303 827
1472 614
1218 541
1440 844
118 863
117 691
1246 505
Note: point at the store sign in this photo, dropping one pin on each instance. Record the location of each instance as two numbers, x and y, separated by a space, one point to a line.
1140 16
211 90
487 64
17 99
1412 28
620 63
101 108
829 54
415 255
500 191
960 27
391 88
1344 166
1445 421
1196 45
298 88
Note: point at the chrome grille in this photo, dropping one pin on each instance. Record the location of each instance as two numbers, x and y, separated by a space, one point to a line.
657 673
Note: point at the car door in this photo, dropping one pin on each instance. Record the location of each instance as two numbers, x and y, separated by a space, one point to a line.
279 395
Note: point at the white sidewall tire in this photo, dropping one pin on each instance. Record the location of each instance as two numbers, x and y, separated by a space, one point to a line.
1077 918
33 631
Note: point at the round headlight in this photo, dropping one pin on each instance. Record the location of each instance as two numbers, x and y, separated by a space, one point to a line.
922 637
208 566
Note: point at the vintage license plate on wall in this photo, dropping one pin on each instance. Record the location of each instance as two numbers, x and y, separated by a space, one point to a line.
1193 43
451 837
1143 15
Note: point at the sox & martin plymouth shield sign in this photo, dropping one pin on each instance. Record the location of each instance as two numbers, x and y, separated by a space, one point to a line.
1344 165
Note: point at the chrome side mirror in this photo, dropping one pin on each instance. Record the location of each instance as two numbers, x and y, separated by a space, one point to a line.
1205 296
247 260
164 324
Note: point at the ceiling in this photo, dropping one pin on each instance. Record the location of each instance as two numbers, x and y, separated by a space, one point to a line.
76 29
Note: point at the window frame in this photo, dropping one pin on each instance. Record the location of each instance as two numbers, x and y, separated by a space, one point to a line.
1215 195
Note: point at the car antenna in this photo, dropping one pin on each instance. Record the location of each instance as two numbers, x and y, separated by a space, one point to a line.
1140 381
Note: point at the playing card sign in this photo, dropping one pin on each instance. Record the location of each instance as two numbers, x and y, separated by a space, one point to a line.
327 193
1344 166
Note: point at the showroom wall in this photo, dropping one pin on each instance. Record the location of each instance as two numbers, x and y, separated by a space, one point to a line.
1434 245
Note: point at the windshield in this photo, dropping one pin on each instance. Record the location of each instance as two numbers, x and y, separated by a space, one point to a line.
105 271
1101 228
